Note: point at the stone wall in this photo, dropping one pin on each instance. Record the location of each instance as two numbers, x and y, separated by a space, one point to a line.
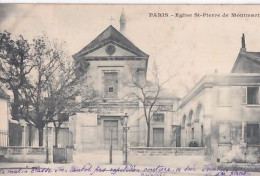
157 151
26 154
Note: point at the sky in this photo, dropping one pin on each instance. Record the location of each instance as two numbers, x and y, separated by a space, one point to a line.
188 48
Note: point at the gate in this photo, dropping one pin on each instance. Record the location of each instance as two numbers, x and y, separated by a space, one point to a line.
62 155
64 151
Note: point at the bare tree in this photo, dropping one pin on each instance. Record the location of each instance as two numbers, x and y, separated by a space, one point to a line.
149 94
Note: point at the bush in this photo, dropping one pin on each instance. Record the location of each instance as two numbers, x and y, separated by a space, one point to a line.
193 144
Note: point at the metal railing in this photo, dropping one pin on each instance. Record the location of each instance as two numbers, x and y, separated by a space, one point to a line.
3 138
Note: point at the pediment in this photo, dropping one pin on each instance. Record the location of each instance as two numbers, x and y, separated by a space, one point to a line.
122 46
110 49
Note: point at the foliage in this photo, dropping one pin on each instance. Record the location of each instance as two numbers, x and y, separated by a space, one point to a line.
43 78
15 65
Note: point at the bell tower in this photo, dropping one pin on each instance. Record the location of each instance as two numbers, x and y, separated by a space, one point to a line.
122 22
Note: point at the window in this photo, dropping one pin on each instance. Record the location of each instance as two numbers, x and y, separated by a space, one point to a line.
224 133
252 134
141 74
110 89
252 95
110 84
158 117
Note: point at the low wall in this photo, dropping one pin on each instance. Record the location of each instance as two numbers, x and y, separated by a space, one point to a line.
167 156
168 151
152 150
26 154
239 153
190 150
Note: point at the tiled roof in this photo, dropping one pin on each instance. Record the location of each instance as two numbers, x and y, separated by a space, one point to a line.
247 62
111 34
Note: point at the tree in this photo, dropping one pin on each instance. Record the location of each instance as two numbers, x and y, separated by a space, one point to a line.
43 79
14 67
48 94
63 86
149 94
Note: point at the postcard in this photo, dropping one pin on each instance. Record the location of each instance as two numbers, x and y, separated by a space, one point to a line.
128 89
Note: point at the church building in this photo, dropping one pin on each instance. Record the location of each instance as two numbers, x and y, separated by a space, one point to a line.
112 59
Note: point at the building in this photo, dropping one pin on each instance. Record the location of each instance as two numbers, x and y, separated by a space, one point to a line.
113 58
221 113
4 99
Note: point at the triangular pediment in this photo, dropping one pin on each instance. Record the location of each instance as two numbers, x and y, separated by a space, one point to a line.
110 36
105 51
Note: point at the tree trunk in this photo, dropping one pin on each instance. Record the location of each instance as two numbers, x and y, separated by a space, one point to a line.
56 137
15 105
40 137
148 135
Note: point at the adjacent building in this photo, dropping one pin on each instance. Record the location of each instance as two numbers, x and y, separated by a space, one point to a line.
221 113
4 100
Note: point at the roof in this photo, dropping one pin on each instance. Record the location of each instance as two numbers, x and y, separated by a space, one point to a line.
209 81
165 94
247 62
111 34
4 95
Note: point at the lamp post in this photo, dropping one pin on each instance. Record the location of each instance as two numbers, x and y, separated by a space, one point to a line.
125 132
111 147
47 144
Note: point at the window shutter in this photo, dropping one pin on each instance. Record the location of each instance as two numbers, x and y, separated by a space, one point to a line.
244 91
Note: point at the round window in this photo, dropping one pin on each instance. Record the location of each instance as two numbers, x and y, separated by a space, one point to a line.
110 49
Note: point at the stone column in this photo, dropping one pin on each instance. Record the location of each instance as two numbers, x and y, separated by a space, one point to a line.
174 136
183 137
197 132
188 134
78 141
23 135
23 124
207 133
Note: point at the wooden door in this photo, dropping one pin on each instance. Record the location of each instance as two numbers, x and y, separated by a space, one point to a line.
111 125
158 137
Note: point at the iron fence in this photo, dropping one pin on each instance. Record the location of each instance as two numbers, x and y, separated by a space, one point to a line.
3 138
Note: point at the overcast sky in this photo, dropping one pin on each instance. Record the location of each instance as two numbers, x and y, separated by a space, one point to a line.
192 47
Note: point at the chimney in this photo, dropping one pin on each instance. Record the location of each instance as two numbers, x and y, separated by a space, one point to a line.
243 48
122 22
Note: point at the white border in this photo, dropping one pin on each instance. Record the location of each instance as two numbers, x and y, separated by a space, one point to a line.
137 1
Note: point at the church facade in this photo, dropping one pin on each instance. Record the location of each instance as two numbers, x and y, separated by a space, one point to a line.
113 59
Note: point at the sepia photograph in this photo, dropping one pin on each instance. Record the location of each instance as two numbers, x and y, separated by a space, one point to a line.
129 89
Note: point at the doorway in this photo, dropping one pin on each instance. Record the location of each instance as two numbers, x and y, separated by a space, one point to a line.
158 137
111 134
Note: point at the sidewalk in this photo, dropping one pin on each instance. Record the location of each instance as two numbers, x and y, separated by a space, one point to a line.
99 157
147 165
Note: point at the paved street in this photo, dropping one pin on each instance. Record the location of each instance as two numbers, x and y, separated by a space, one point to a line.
97 163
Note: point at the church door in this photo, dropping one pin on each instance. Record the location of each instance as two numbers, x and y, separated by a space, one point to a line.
158 137
111 133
